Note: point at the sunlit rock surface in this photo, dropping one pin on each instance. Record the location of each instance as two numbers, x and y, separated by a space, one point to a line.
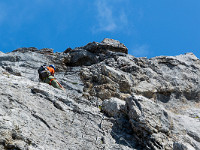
112 100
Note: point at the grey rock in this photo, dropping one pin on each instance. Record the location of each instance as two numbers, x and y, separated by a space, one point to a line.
112 100
105 82
26 49
113 107
182 146
80 57
46 51
150 122
106 44
39 116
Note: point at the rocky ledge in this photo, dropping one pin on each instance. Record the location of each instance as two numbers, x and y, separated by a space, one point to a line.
113 100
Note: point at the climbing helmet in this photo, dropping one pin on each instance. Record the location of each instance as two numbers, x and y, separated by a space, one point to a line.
52 66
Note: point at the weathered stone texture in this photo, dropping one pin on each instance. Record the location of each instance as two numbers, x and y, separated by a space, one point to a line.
112 100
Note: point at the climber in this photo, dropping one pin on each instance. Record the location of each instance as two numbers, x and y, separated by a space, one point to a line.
46 75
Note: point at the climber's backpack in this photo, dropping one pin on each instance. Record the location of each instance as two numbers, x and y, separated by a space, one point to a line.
43 72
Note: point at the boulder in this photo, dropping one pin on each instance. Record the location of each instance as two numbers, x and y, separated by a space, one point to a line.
105 45
80 57
46 51
150 122
113 107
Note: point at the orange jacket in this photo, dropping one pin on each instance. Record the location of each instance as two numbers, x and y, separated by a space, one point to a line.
51 70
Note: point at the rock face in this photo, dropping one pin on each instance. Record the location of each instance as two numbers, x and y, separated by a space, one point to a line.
112 100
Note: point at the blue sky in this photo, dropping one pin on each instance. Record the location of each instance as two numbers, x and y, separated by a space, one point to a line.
147 27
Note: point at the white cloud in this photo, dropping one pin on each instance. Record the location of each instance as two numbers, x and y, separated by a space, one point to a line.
123 18
140 51
105 17
109 18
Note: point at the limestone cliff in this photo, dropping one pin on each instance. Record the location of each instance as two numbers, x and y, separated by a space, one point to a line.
112 100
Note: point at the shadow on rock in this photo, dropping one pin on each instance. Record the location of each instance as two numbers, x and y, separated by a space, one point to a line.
123 133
